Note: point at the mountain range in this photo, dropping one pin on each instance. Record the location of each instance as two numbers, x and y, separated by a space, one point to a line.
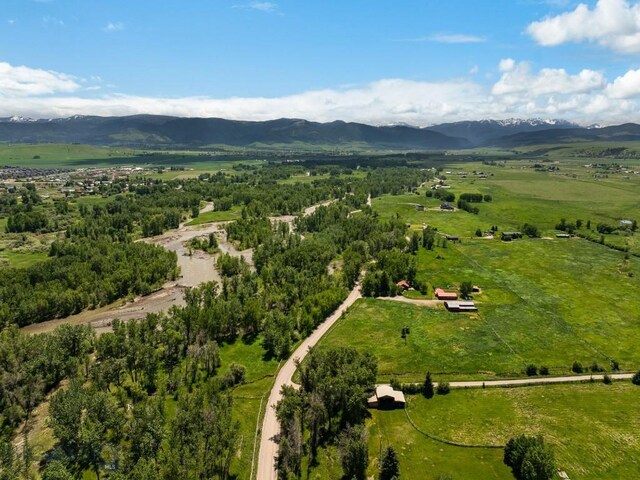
156 131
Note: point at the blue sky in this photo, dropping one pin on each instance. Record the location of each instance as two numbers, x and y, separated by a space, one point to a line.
376 61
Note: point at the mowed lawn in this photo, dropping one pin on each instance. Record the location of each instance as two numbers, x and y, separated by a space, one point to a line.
591 427
546 302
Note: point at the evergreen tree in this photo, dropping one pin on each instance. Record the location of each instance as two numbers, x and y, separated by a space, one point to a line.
389 464
427 387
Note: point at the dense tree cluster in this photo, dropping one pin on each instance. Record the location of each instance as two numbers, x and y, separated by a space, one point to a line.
529 458
31 366
331 400
81 274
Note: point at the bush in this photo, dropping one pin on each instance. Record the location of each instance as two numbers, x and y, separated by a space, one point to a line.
532 370
529 458
530 231
577 367
636 379
443 388
544 370
606 379
596 368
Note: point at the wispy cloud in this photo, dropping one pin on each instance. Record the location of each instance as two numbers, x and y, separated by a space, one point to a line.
114 27
11 21
447 38
268 7
56 22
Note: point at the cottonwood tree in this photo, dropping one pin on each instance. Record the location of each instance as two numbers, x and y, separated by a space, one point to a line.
354 452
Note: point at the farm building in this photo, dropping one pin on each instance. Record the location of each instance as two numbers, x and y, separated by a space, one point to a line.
563 235
386 397
419 208
508 236
446 206
452 238
460 306
442 295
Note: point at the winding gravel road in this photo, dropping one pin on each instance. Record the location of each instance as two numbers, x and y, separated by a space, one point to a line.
270 426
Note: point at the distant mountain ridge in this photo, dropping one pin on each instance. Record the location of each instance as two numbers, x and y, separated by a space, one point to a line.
163 131
158 131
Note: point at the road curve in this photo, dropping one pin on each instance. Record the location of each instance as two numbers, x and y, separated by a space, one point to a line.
270 427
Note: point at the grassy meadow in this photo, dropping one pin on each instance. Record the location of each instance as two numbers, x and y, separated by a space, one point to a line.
546 302
590 427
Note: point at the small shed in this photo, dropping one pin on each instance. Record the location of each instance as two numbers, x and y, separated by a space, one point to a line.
563 235
446 206
419 208
385 397
403 284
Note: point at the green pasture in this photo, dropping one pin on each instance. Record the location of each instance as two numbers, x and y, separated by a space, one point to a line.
217 216
82 156
546 302
524 196
591 428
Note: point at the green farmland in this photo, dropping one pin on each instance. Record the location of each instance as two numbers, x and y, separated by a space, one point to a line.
590 426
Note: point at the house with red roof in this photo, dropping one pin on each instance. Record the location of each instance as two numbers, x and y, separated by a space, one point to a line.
443 295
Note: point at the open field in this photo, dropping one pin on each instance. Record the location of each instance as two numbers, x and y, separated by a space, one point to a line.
216 216
546 302
83 156
521 195
590 426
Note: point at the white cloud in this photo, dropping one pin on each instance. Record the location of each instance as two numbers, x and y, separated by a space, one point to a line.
447 38
456 38
506 64
268 7
114 27
11 21
517 78
56 22
626 86
519 92
20 81
473 70
613 24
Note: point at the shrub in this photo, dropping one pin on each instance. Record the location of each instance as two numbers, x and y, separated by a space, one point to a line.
606 379
530 230
615 366
544 370
427 387
577 367
531 370
443 388
596 368
636 379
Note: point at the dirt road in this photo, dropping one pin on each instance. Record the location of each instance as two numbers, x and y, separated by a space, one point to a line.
537 381
270 426
421 302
